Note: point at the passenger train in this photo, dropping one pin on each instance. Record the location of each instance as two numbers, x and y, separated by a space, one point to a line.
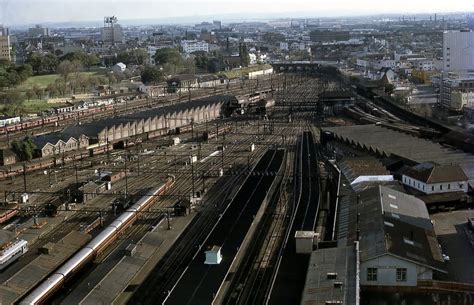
96 246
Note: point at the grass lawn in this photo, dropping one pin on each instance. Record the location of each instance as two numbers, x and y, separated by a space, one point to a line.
244 71
35 105
43 81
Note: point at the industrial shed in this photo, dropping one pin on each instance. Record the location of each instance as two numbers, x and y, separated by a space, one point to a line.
114 130
385 142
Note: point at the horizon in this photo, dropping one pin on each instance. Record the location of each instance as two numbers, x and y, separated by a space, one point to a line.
23 13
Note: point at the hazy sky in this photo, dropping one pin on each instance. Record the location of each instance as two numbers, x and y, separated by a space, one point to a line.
17 12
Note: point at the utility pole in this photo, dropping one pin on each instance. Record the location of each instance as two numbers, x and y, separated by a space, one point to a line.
24 176
192 173
77 179
126 176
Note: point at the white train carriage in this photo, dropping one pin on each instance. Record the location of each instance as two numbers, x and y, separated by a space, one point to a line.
12 252
93 248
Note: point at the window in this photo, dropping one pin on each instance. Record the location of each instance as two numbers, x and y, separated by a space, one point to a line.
441 187
449 186
372 274
401 274
432 187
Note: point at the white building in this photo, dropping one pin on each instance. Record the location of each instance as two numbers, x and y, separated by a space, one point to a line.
458 51
298 46
423 64
456 91
190 46
432 179
284 46
119 67
398 245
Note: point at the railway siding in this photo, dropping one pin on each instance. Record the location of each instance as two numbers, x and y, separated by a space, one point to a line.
204 281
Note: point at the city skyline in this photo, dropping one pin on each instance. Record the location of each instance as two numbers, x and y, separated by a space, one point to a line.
24 12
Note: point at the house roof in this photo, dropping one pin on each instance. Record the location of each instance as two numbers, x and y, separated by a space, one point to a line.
182 78
92 129
341 263
430 173
394 223
207 78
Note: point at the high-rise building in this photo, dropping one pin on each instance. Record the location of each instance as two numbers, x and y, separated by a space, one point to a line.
112 31
5 47
38 31
458 51
470 21
4 31
217 24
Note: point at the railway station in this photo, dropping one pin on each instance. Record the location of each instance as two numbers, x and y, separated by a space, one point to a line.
277 192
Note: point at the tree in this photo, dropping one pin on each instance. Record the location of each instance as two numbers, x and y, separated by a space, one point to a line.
36 62
201 60
168 56
24 71
38 91
244 55
65 68
151 75
29 94
12 96
83 82
52 90
50 63
24 149
91 60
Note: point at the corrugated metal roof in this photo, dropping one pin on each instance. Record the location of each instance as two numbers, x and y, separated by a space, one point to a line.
388 142
393 223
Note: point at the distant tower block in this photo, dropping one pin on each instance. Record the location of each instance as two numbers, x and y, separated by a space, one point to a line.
470 21
112 31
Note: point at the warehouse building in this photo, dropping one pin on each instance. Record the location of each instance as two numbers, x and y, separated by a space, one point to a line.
58 143
153 122
429 178
397 242
384 142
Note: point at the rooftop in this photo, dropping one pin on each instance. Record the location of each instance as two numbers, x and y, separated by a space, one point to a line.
389 142
332 276
394 223
431 173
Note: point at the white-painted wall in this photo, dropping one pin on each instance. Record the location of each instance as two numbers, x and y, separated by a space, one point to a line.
387 271
435 188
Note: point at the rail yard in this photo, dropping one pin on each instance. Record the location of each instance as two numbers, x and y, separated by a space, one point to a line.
222 196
